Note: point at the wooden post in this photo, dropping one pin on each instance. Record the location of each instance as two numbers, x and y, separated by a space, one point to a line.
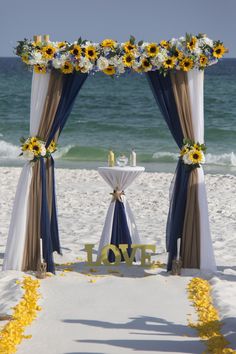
37 38
46 38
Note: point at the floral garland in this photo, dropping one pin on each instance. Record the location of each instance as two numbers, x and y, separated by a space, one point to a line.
113 58
192 154
208 325
33 148
23 314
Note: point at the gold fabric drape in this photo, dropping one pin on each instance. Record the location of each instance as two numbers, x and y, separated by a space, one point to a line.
31 258
190 242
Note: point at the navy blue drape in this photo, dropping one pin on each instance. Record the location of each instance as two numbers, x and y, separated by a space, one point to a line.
120 230
71 86
162 90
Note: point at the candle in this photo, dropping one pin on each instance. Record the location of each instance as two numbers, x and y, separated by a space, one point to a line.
111 159
133 159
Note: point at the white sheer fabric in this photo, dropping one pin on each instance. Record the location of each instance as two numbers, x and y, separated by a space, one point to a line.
16 238
195 82
119 178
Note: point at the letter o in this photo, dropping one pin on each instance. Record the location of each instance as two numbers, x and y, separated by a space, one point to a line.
104 255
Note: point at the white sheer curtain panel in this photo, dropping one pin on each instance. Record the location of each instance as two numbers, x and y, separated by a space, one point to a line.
16 238
196 92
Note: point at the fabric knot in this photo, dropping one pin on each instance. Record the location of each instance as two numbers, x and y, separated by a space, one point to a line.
117 195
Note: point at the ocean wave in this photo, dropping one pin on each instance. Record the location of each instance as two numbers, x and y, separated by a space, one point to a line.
8 150
86 153
225 159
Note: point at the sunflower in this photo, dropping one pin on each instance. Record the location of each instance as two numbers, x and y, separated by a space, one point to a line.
196 156
203 60
128 59
146 65
129 47
67 68
76 51
91 53
165 44
110 70
177 54
152 49
36 148
169 63
25 58
52 147
40 69
33 139
26 146
219 51
192 43
48 51
78 67
186 64
61 45
184 151
109 43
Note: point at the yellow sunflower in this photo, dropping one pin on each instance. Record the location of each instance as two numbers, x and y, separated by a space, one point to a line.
178 54
36 148
61 45
146 65
219 51
26 146
110 43
40 69
184 151
48 51
33 139
110 70
91 53
78 67
128 59
203 60
76 51
67 68
196 156
25 58
192 43
52 147
186 64
152 49
169 63
129 47
165 44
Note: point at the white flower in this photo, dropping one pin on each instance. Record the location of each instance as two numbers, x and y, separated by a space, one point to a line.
28 155
43 150
186 159
36 55
205 41
120 69
102 63
57 63
85 65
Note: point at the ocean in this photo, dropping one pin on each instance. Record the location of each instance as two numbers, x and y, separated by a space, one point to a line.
120 114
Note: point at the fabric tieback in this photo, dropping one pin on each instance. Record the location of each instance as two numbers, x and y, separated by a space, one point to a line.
117 195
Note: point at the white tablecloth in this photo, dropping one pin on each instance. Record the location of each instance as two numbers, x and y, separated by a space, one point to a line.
119 178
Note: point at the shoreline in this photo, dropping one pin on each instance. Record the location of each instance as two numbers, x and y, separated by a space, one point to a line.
150 167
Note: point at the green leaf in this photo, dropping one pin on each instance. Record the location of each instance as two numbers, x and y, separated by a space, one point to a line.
140 43
132 39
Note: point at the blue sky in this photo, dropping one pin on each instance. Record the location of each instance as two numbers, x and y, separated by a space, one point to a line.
151 20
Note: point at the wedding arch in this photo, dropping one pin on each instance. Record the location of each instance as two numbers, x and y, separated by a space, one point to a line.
175 71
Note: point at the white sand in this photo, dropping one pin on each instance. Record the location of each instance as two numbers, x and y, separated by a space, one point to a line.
130 313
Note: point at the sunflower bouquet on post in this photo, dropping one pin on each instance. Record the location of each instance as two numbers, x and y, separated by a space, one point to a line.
192 154
33 148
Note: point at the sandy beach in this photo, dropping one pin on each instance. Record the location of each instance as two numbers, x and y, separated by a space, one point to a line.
90 311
